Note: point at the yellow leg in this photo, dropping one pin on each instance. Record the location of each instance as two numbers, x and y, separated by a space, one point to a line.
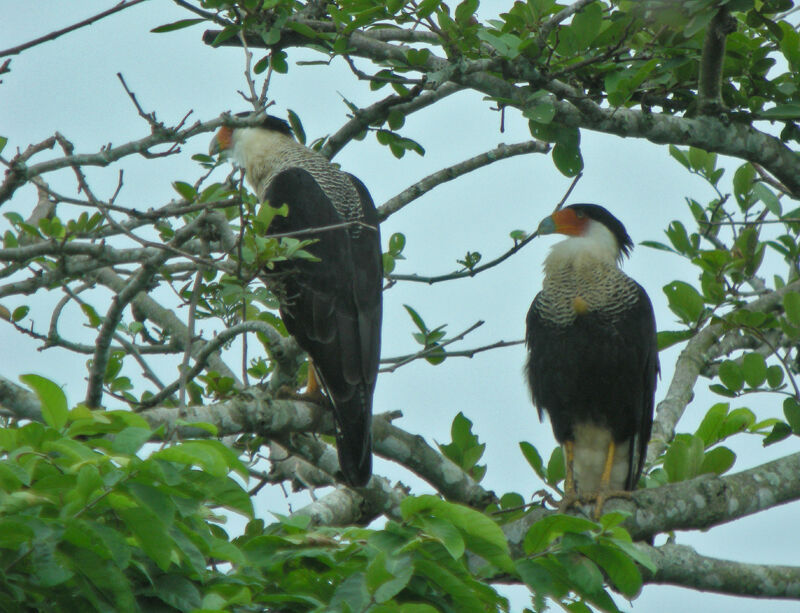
605 478
570 493
605 491
313 386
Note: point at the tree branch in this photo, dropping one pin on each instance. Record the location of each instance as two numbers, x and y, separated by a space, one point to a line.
697 504
683 566
697 354
55 34
709 86
501 152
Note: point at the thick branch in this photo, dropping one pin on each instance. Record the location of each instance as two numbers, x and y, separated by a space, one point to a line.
709 87
697 354
697 504
574 109
683 566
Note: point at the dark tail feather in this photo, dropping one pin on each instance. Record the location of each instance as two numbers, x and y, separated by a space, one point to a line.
354 438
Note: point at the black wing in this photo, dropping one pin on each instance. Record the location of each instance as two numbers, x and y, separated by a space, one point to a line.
601 369
333 307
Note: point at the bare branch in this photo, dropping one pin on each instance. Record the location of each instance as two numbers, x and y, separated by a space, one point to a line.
424 353
501 152
55 34
471 272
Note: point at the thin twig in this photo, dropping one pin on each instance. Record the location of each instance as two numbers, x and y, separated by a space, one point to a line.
464 353
428 351
471 272
56 33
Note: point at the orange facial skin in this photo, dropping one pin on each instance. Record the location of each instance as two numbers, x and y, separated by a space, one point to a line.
569 222
221 141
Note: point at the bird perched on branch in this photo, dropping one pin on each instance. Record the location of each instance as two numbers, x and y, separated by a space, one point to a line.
332 307
593 359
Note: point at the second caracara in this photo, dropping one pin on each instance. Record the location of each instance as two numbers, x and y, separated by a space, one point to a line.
593 359
331 307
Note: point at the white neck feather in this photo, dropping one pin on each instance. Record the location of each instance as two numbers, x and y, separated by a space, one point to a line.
596 246
257 151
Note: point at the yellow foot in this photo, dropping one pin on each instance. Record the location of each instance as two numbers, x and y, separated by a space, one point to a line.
569 500
600 499
316 396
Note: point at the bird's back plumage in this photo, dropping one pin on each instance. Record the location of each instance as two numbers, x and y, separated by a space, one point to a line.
333 307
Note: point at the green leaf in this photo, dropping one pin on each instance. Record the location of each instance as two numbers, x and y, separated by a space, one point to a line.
770 200
52 398
3 143
196 453
791 306
586 24
731 375
685 301
426 7
754 369
188 192
534 459
176 25
447 534
397 243
267 213
481 535
620 569
719 460
779 432
567 159
785 112
150 533
668 338
709 428
737 420
684 457
555 467
416 319
542 112
791 409
549 528
277 60
297 126
680 156
20 313
743 180
130 440
178 592
774 376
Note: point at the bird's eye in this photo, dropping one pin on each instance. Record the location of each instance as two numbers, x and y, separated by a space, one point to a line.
580 214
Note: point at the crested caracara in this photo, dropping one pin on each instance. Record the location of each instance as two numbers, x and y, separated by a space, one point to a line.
592 355
332 307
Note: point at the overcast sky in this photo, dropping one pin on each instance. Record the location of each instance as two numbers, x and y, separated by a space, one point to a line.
70 85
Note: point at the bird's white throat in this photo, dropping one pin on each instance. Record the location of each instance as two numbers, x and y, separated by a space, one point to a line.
595 246
259 151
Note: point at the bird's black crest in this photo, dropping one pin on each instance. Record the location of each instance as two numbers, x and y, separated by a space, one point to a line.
601 214
271 123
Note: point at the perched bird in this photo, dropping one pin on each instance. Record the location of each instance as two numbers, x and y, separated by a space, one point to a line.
332 307
592 355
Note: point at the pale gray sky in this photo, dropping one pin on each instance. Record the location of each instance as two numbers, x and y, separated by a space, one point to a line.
70 85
